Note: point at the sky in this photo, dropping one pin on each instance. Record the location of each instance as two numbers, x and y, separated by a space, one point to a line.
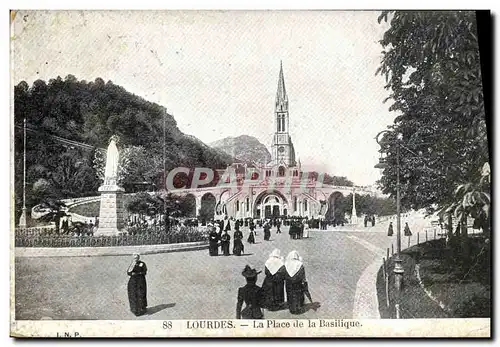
216 72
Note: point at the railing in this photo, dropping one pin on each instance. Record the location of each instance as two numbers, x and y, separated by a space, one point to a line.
48 238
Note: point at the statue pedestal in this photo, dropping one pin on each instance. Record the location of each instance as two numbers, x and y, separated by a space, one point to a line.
112 210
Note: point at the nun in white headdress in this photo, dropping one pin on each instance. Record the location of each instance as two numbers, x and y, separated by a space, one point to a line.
295 282
273 287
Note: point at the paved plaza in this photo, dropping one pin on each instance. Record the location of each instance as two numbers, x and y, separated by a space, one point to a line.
193 285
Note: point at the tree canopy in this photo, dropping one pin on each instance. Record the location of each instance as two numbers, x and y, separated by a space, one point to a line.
90 113
432 69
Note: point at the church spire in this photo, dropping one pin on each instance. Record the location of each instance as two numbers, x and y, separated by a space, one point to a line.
281 97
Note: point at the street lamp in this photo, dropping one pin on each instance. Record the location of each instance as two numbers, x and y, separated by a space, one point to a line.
398 268
22 219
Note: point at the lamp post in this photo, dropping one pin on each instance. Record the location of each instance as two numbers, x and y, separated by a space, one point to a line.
398 268
22 219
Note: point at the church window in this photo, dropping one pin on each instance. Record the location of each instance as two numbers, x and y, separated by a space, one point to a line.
281 171
283 122
305 205
237 205
248 204
295 203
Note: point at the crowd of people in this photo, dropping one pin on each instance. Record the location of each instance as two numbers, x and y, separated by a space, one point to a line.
219 233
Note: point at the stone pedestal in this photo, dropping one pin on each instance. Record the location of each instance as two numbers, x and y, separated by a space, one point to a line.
112 211
22 219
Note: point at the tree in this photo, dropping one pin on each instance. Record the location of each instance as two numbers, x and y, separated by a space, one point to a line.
90 113
431 66
54 210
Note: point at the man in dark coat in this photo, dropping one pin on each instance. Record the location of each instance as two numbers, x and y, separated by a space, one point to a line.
136 287
213 241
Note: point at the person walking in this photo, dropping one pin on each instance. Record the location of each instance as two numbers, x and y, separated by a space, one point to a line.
273 287
251 295
295 282
213 241
225 243
407 230
306 228
251 235
238 247
390 231
136 287
267 231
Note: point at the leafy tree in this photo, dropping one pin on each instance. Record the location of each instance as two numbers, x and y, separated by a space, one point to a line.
431 66
55 210
90 113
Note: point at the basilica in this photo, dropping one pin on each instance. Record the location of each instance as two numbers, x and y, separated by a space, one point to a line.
283 189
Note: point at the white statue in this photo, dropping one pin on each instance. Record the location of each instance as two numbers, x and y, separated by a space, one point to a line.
112 158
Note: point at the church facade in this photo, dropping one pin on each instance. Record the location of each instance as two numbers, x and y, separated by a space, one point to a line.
281 189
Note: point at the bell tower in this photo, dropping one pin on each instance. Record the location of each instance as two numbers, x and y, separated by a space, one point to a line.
282 150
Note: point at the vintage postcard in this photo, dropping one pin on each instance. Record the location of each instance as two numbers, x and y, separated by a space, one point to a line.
250 174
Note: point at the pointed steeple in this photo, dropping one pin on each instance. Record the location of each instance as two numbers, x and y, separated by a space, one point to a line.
281 97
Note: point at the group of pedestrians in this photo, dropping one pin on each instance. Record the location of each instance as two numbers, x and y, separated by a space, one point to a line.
219 236
299 229
407 231
281 277
369 220
223 239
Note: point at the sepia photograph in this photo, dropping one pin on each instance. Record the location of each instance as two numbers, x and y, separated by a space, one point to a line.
250 173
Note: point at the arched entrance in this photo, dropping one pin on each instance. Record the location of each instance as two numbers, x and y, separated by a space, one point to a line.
270 205
207 208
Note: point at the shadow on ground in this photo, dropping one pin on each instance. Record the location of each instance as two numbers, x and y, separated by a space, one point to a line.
158 308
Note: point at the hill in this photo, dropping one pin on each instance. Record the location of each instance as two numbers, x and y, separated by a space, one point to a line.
244 148
90 113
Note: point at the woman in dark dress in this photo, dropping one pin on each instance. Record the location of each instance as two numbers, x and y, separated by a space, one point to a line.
136 288
213 241
273 287
238 247
390 231
251 295
225 242
407 230
295 282
267 231
251 235
291 230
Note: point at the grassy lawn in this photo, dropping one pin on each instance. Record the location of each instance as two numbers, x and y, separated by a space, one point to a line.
459 289
91 209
